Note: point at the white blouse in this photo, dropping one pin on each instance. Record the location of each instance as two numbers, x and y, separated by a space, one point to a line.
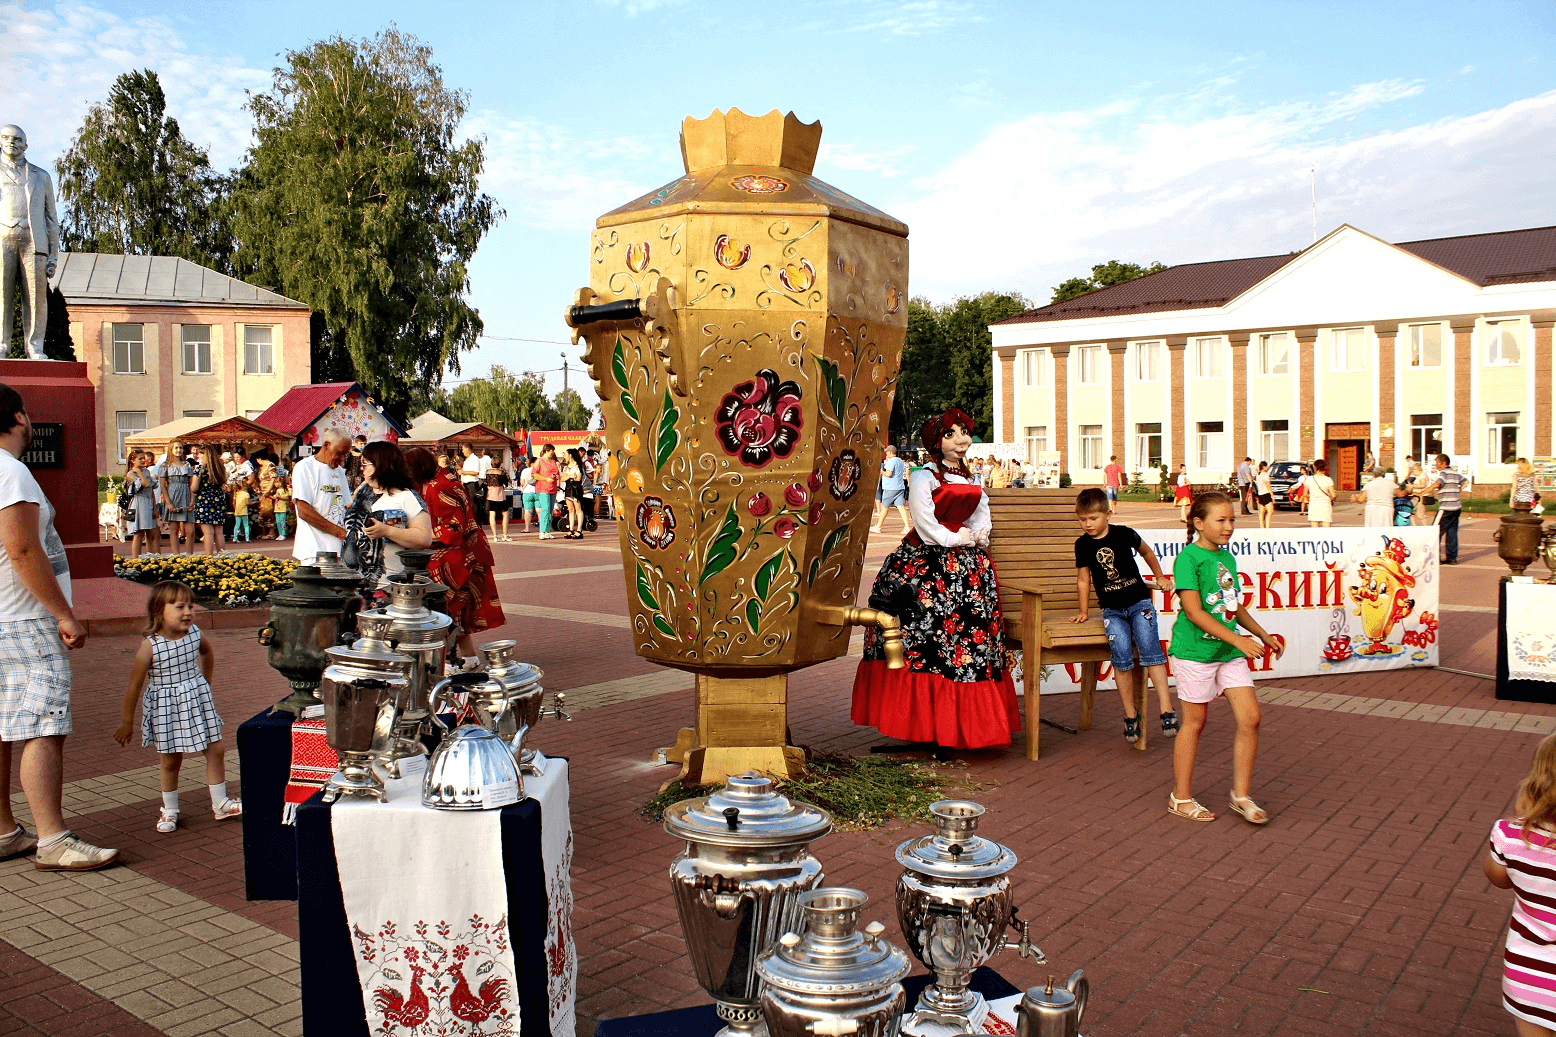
921 506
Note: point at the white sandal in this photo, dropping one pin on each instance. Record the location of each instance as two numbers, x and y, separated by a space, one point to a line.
1247 808
230 807
1189 809
166 822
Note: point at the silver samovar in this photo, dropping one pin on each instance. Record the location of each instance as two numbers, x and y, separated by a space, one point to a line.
832 980
423 635
363 688
737 886
954 905
522 695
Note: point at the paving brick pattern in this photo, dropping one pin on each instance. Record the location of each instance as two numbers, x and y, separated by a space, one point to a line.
1359 909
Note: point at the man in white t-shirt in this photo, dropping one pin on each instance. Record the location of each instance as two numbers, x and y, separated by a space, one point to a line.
36 627
472 476
320 494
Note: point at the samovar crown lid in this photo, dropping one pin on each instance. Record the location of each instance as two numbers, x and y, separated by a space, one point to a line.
830 956
955 851
747 812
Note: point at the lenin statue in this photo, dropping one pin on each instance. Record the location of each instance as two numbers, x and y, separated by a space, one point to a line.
29 238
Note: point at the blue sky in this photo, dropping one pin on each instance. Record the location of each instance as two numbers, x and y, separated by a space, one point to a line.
1021 142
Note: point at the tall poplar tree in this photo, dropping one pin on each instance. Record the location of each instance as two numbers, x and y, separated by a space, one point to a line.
358 200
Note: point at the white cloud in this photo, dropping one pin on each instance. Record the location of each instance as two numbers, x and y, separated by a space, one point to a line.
633 8
909 17
60 61
882 161
1046 197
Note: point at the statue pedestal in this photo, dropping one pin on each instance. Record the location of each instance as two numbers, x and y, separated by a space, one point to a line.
63 407
742 725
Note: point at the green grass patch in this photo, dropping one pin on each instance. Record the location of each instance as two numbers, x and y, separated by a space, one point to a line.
859 792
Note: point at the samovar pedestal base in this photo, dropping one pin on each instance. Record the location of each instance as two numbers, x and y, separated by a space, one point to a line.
742 725
740 1020
356 777
959 1014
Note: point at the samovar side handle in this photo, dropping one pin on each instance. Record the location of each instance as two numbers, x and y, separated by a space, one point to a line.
266 634
724 894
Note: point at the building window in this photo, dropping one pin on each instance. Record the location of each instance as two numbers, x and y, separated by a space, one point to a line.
1207 357
1148 361
1274 354
1502 342
1032 368
1091 446
1148 444
1347 345
1088 362
1426 345
252 415
1212 444
197 348
199 414
1037 442
1274 440
256 348
128 423
1426 437
1502 437
129 350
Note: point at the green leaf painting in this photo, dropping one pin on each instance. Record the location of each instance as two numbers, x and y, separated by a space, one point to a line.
667 437
766 574
722 551
645 593
815 571
630 407
833 539
837 388
659 622
753 614
619 363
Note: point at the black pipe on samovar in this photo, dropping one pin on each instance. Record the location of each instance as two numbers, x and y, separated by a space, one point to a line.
311 616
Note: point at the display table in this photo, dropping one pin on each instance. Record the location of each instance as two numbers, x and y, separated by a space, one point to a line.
385 895
703 1021
1526 641
269 847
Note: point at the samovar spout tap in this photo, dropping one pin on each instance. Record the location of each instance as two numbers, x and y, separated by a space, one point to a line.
1024 947
890 627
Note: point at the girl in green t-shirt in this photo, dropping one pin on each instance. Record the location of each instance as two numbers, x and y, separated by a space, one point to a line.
1210 658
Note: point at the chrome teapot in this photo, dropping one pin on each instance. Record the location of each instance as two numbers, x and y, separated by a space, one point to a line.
522 697
472 768
737 886
1050 1011
954 905
831 980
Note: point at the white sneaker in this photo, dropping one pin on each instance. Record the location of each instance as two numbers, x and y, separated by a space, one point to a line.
74 854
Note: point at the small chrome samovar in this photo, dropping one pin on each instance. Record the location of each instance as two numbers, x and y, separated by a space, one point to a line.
423 635
737 886
954 905
831 980
523 696
364 688
306 619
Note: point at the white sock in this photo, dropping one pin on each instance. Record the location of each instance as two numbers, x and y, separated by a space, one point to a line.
44 845
170 802
218 794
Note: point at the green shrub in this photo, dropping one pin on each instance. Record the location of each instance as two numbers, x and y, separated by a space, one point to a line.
1064 480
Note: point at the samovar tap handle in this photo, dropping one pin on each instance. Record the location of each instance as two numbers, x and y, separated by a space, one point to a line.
833 1026
726 894
265 634
1024 947
557 707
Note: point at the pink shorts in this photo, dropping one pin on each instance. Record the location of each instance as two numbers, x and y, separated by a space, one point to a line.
1201 682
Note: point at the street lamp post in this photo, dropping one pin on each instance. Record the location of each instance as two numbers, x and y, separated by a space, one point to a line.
567 422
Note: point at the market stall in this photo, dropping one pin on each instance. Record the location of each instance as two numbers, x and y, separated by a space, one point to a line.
440 435
221 433
309 412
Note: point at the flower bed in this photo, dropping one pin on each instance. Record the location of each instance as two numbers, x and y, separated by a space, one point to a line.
235 580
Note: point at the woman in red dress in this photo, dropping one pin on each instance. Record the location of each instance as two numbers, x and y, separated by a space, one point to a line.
461 558
955 690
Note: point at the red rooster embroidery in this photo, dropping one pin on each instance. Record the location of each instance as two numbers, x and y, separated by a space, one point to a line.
395 1008
478 1007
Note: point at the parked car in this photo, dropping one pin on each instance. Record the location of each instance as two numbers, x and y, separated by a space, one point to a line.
1284 476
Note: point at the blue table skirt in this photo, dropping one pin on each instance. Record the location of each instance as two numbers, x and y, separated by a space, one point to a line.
269 847
703 1021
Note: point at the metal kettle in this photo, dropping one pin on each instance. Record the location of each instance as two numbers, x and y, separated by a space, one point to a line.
1051 1011
472 768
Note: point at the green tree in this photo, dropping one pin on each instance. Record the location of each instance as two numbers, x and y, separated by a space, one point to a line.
503 401
57 343
570 412
131 184
357 200
947 361
1103 275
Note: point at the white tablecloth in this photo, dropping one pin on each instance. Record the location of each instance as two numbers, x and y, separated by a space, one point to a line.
1531 634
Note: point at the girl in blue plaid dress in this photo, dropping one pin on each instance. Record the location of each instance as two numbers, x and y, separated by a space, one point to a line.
180 714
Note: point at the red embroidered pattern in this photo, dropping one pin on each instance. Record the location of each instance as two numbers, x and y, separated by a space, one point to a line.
440 965
561 955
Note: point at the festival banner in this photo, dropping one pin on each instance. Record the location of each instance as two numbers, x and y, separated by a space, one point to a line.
1342 600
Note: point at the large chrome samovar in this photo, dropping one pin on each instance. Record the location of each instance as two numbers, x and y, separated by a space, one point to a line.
306 619
831 980
954 905
523 696
364 689
423 635
737 886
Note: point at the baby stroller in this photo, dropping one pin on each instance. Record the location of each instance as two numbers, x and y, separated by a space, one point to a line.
1404 510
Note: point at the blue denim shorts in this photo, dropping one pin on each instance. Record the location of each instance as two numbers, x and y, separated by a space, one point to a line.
1130 629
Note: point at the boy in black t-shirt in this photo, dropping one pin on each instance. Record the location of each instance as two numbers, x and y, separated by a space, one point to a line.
1105 558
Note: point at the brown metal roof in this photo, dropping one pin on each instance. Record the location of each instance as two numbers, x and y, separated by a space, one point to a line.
1505 257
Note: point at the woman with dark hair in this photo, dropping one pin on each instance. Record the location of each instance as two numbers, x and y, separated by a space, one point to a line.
461 557
955 691
572 489
395 519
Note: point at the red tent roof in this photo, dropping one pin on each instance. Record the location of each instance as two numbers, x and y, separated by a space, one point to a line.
302 405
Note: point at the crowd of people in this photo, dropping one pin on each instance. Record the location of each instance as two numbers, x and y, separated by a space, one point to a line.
201 496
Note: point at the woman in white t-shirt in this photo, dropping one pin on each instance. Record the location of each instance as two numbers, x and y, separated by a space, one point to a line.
1378 497
1264 495
1320 494
398 519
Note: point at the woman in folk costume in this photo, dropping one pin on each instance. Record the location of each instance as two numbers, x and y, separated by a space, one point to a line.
955 690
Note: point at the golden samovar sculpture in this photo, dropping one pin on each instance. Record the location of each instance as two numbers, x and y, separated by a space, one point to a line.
744 327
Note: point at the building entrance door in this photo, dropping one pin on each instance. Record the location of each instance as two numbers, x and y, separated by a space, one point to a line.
1344 446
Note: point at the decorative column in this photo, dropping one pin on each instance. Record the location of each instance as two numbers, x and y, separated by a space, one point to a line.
1005 397
1176 350
1241 440
1463 329
1118 420
1307 370
1543 443
1061 438
1387 434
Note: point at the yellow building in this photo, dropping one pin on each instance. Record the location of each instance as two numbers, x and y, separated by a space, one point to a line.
1349 346
164 338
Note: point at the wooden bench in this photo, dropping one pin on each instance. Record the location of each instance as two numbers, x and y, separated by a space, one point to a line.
1033 547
